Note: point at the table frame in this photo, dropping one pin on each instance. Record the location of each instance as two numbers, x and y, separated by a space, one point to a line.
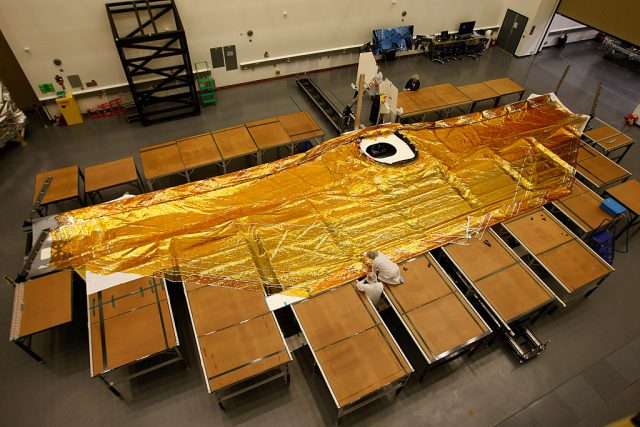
396 385
246 384
138 183
586 289
469 347
174 355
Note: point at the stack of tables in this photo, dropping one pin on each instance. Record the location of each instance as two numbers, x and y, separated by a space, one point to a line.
598 170
240 343
357 356
129 323
576 268
439 319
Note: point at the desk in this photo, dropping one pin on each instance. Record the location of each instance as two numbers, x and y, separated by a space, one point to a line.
64 186
239 341
439 319
597 169
478 92
197 151
582 207
234 142
455 48
628 194
357 356
162 160
575 267
504 87
128 323
40 304
420 102
111 174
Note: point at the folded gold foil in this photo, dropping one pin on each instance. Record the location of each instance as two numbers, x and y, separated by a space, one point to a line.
300 225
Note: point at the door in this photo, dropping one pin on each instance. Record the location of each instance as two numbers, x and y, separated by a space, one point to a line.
14 79
511 31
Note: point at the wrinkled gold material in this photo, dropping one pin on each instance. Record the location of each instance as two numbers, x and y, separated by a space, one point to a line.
301 224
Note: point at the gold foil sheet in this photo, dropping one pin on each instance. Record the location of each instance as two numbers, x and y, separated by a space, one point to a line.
300 225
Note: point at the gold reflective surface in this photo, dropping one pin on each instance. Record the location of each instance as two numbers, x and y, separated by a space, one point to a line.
301 224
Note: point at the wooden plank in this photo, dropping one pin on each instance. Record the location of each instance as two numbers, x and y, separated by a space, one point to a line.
602 132
64 185
110 174
450 94
539 231
46 303
261 122
602 171
582 206
125 297
298 123
428 100
406 102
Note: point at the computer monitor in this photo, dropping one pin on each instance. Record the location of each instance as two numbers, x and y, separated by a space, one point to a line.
392 39
444 35
466 28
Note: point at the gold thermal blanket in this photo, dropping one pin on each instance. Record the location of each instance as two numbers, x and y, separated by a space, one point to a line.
301 224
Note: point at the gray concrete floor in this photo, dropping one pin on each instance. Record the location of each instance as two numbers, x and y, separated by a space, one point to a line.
588 375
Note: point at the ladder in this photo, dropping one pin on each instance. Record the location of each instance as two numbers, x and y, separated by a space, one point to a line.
206 83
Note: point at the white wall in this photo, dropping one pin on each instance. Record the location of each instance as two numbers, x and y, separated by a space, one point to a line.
78 32
576 31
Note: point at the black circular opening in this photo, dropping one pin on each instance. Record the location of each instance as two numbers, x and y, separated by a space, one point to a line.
381 150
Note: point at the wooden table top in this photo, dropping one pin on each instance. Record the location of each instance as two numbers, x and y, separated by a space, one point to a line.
559 250
361 364
602 132
511 288
478 91
627 193
615 142
42 303
334 315
424 282
601 170
64 185
504 86
450 94
234 142
539 231
406 102
242 351
586 152
480 258
437 315
198 150
261 122
428 99
215 307
583 207
136 324
269 135
110 174
297 124
161 160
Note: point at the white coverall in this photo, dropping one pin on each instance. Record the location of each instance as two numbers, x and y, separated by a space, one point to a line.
371 290
387 270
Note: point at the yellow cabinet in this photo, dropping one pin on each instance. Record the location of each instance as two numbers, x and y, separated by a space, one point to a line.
69 109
